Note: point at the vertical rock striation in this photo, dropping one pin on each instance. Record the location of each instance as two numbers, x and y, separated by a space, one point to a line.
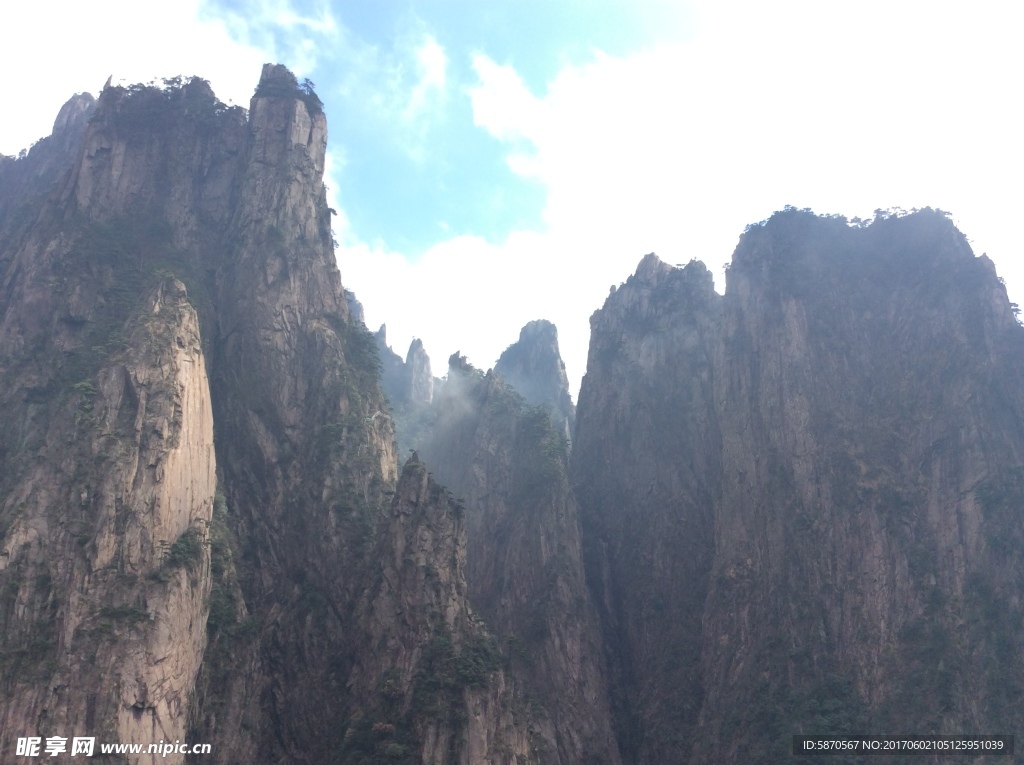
428 671
646 470
304 454
870 387
796 499
169 181
533 366
107 495
524 556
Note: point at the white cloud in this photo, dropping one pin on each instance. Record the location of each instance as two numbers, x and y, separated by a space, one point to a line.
432 64
402 89
300 41
502 104
84 43
469 295
843 108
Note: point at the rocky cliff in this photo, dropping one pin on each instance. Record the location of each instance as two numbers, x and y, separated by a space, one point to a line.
408 384
794 508
199 486
427 669
505 457
108 488
32 175
799 500
508 464
533 366
647 464
108 492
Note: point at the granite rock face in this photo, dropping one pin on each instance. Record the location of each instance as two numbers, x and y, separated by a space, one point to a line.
646 467
533 366
800 501
107 496
305 458
27 181
509 465
427 668
204 459
794 508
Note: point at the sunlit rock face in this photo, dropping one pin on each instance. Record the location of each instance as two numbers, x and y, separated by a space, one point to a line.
172 282
800 500
105 566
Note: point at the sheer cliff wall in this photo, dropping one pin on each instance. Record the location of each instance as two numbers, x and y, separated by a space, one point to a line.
800 501
202 467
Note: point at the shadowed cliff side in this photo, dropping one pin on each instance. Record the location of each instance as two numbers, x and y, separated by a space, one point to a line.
533 366
801 501
868 529
508 464
304 461
645 471
26 182
429 683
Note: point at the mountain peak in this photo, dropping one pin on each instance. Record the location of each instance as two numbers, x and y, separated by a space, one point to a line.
539 330
277 76
419 378
75 113
277 81
534 367
651 267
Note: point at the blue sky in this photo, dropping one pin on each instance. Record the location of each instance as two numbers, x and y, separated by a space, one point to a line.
497 162
397 78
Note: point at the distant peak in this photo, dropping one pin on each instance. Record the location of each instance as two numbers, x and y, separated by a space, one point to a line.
419 379
459 364
533 366
539 329
355 308
277 76
651 267
74 113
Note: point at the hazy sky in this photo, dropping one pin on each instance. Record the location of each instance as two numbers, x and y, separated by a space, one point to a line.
497 162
